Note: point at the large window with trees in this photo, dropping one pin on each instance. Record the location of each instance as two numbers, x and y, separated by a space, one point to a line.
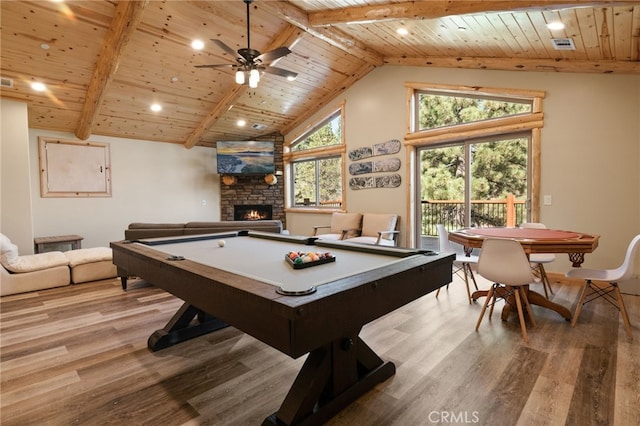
314 161
476 154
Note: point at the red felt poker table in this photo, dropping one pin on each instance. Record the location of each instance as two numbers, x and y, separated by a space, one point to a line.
532 240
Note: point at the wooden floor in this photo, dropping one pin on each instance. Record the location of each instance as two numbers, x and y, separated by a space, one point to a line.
77 355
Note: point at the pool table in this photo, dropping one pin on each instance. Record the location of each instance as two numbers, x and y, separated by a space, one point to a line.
319 310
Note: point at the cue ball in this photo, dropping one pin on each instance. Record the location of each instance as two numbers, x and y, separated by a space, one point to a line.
221 243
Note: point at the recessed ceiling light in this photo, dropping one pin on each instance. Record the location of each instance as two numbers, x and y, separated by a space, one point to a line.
462 28
402 31
554 26
156 107
291 78
38 87
197 44
241 123
44 46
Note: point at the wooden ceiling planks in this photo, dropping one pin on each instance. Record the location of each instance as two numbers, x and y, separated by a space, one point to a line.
158 63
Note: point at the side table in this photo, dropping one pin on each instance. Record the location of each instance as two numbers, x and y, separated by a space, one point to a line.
44 244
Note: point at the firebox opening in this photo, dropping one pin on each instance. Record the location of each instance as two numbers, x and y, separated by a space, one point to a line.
252 212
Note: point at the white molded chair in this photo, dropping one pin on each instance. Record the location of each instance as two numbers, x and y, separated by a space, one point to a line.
539 259
343 225
504 262
378 229
591 291
461 264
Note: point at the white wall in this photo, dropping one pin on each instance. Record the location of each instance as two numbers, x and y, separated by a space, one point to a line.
590 148
15 187
150 182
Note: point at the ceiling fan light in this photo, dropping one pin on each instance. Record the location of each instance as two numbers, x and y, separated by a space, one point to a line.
254 78
240 77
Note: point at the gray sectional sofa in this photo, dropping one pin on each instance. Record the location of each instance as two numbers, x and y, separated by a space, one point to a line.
139 230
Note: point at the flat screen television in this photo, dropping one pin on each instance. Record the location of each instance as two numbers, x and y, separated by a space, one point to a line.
245 158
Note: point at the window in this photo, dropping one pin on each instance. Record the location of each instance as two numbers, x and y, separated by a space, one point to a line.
475 152
437 109
314 162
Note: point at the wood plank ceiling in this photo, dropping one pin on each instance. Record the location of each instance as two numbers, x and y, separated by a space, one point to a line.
105 62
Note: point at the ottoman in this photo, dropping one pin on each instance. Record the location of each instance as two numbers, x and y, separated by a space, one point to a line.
91 264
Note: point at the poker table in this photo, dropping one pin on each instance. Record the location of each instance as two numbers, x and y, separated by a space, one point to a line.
318 309
532 240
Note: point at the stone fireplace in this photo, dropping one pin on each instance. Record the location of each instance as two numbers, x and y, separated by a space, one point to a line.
252 212
254 191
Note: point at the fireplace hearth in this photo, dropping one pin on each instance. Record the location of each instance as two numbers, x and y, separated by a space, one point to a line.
252 212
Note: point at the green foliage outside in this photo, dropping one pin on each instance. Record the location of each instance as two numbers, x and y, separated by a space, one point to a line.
498 168
319 180
327 135
441 111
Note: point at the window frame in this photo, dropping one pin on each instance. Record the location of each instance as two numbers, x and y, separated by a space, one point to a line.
414 139
290 157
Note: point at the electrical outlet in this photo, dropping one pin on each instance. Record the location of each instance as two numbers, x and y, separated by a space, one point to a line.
547 200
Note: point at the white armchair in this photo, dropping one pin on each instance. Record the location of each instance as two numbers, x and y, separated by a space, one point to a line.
343 225
379 229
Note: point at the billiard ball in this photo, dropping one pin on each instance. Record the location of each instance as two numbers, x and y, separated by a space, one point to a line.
221 243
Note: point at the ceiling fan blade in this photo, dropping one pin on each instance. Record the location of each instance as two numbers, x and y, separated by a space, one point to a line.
281 72
216 66
272 55
229 50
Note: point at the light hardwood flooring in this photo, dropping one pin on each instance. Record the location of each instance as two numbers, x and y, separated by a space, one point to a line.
78 355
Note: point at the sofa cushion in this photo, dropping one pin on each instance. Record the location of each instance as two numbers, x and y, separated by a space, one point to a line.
342 221
93 271
373 223
32 281
88 255
8 250
145 225
36 262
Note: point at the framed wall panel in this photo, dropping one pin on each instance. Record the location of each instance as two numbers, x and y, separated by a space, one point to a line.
74 169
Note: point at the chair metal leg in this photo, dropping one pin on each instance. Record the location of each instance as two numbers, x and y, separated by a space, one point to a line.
545 280
496 294
623 311
473 277
466 269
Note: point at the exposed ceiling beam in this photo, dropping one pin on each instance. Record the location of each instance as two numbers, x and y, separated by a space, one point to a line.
440 8
126 19
544 65
298 17
288 37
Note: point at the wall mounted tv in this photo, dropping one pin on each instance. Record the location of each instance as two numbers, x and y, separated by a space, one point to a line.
245 157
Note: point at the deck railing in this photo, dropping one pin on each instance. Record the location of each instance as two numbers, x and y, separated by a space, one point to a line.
450 213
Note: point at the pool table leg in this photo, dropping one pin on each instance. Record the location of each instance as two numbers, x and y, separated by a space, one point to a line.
180 327
332 377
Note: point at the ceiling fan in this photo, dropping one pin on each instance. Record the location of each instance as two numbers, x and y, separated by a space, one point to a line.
250 62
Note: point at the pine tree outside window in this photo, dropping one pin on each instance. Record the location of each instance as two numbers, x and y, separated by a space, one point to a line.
314 162
476 151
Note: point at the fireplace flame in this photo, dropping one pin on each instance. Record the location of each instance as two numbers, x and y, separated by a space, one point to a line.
253 215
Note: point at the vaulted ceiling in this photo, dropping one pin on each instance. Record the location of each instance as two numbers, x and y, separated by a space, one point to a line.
105 62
